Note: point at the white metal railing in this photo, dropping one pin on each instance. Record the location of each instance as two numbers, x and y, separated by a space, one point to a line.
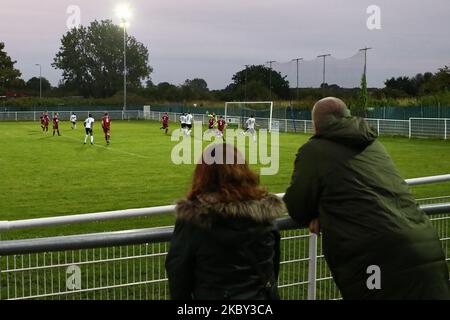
130 264
142 212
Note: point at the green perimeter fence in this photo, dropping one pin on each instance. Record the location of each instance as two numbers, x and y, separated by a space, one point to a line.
281 112
438 128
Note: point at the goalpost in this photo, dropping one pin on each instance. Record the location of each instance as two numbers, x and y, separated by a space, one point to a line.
237 112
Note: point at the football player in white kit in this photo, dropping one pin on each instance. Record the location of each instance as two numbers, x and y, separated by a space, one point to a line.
189 118
250 123
183 122
89 125
73 120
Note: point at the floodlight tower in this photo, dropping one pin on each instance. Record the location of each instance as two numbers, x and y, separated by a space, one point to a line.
40 80
365 58
123 12
324 56
245 87
297 60
270 77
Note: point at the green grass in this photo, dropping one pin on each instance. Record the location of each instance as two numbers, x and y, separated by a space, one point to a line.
43 176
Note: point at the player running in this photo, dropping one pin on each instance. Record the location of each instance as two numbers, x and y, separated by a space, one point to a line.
211 121
89 126
165 122
42 121
106 125
55 123
183 122
189 118
250 123
221 124
73 120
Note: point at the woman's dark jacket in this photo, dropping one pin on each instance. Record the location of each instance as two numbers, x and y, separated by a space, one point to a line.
224 250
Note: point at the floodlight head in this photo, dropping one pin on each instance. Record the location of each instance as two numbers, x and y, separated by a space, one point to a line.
124 24
123 12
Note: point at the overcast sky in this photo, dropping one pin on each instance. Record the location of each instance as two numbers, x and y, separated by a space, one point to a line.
212 39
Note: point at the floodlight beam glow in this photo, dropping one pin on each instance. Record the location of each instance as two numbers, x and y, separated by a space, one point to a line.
123 11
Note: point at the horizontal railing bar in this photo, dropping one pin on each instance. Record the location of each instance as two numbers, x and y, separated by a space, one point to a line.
81 263
87 241
129 237
428 180
90 289
292 284
86 217
295 260
142 212
323 279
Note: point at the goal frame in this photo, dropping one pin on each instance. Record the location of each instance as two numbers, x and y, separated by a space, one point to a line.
251 102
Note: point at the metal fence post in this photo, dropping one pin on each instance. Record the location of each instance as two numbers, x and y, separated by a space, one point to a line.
409 128
312 267
445 129
378 126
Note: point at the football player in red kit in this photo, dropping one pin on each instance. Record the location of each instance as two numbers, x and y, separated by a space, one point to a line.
221 124
165 122
46 120
106 125
211 122
55 123
42 121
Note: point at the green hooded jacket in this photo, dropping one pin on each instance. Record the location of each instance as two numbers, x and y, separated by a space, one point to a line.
368 217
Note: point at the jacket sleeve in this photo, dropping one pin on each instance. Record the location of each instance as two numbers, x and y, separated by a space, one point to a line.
276 256
180 263
302 196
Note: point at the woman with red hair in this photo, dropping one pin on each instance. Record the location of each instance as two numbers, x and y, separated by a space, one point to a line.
225 244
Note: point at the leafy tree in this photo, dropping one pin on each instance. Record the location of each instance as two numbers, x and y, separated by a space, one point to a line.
404 84
9 76
440 81
363 96
195 89
149 83
168 92
34 84
91 59
259 76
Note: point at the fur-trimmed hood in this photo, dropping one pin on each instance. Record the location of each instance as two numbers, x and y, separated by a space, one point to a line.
203 210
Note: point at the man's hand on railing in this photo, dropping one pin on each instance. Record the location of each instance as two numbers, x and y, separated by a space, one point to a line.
314 226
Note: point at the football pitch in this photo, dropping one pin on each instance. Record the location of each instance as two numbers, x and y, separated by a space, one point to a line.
44 175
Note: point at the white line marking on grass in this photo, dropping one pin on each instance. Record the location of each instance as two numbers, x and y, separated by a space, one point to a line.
111 149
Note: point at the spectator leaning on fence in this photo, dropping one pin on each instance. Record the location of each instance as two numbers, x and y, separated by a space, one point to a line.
225 244
376 240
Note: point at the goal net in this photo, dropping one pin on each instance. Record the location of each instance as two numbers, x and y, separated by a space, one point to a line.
236 113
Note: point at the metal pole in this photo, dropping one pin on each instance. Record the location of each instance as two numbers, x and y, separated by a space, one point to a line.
312 267
270 77
245 87
40 80
298 94
323 78
365 59
124 65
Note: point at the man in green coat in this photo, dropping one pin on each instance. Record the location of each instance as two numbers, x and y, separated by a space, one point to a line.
378 243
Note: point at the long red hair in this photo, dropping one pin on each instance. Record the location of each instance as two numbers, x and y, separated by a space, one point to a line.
222 170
